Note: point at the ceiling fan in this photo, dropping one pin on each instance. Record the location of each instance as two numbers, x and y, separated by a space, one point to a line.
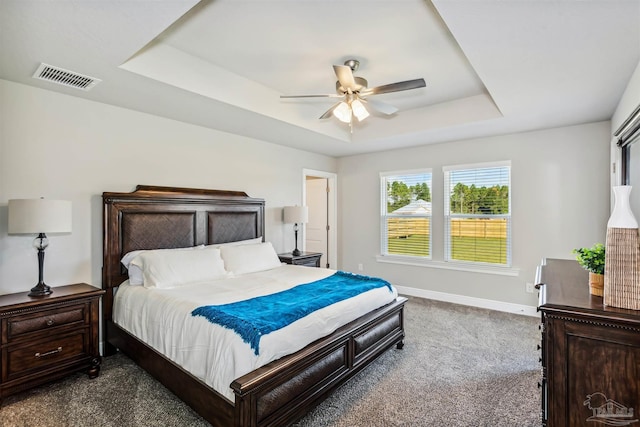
354 92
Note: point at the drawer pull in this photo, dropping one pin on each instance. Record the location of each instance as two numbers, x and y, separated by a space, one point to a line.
49 353
50 322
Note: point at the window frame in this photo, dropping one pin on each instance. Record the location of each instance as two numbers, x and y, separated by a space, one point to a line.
448 216
627 135
384 215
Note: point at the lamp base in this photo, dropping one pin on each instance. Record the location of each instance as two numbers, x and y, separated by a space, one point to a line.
40 290
295 252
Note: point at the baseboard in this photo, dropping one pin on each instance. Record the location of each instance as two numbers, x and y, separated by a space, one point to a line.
508 307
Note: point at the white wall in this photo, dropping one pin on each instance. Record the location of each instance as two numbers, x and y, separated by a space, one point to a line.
560 189
58 146
629 101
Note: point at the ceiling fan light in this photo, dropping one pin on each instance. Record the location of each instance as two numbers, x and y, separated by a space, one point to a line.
359 110
343 112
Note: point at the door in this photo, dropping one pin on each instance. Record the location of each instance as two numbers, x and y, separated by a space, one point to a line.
317 229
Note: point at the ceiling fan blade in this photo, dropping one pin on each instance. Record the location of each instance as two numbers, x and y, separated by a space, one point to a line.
332 95
395 87
329 112
345 77
381 107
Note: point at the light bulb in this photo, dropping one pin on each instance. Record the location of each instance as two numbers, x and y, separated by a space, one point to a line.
343 112
359 110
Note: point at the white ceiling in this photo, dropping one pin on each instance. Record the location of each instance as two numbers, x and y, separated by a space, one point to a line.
491 67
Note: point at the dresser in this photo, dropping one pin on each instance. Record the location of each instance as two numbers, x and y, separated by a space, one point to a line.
590 353
46 338
309 259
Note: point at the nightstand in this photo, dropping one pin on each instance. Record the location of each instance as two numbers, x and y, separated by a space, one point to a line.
47 338
308 259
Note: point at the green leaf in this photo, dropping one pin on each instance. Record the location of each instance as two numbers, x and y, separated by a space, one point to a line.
591 259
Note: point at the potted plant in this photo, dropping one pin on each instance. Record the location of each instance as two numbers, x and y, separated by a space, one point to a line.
592 260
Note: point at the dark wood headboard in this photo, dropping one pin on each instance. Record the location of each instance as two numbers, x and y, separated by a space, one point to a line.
167 217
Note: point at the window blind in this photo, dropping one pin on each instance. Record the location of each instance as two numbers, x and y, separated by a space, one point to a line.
477 205
406 213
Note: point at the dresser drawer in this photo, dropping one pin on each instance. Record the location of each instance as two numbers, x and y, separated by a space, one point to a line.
44 353
43 320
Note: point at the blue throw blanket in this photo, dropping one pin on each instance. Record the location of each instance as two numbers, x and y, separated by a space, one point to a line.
259 316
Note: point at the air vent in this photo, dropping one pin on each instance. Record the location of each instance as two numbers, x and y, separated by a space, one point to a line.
65 77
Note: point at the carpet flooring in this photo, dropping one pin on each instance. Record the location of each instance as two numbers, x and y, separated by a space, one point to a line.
461 366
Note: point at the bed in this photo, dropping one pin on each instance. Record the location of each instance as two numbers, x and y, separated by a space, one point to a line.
275 394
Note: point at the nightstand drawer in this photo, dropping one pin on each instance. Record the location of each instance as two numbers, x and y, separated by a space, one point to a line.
306 259
44 353
46 338
43 320
308 262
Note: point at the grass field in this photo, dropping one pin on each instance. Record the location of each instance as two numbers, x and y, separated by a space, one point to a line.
417 244
490 250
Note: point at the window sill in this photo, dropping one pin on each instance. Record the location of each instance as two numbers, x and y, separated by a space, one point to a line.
458 266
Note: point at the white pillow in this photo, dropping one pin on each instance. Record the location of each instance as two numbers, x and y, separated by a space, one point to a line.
250 258
237 243
134 272
172 268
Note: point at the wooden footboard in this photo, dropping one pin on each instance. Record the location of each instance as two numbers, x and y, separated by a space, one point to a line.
284 390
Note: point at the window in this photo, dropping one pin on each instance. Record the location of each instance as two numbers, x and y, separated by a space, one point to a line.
628 136
406 213
477 209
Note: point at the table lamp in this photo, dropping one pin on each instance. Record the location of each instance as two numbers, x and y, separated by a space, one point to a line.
39 216
296 215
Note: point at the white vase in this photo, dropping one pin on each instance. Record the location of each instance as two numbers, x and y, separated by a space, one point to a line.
621 216
622 254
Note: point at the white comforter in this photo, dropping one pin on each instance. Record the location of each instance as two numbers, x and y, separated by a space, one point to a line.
162 318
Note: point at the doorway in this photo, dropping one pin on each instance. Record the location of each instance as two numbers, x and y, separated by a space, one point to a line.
321 230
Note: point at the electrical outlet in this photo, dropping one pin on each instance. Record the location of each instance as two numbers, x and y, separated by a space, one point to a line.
529 288
360 268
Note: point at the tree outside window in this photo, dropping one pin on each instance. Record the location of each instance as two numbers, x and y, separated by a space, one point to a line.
406 213
478 213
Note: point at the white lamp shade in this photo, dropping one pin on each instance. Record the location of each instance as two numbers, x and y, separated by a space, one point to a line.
296 214
343 112
359 111
29 216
